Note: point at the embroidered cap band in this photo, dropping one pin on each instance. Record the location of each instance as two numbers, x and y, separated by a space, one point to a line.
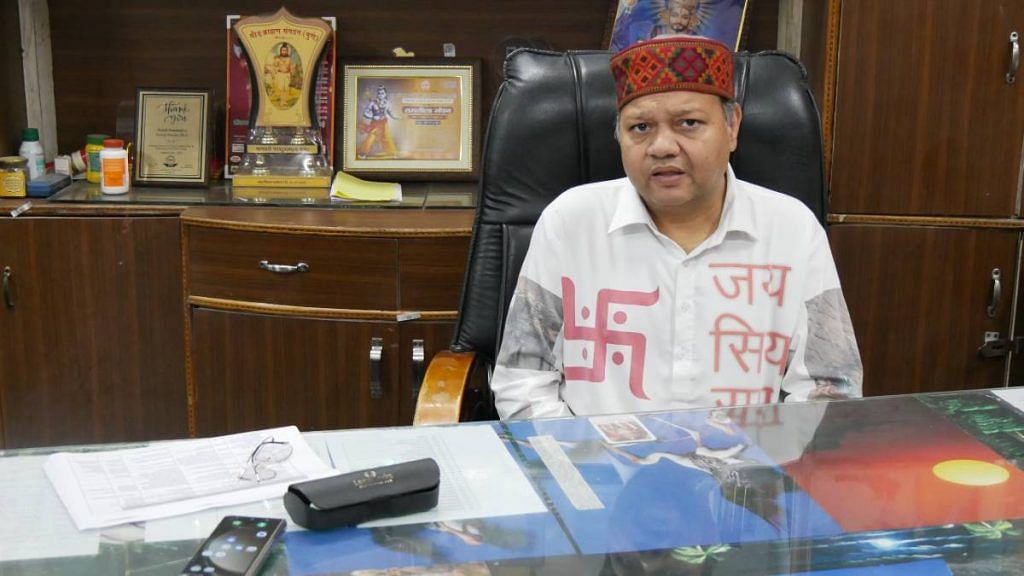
689 63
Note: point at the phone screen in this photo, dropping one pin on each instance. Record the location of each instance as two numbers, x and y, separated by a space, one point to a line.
238 545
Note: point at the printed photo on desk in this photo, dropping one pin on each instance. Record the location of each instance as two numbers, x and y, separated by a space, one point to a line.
685 479
411 121
637 20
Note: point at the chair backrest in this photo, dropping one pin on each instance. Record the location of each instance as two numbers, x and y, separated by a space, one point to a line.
552 128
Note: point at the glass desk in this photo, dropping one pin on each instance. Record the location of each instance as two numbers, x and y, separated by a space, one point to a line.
415 195
927 484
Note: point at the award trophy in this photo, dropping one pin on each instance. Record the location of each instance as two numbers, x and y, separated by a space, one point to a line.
284 147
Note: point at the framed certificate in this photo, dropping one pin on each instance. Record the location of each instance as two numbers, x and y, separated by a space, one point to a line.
172 137
409 121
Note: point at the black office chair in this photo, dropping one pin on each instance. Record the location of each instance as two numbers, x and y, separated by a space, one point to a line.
552 128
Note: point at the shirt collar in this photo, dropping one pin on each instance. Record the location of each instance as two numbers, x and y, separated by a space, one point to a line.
737 211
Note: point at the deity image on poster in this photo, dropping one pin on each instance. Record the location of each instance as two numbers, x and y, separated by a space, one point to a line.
637 20
410 118
375 134
282 75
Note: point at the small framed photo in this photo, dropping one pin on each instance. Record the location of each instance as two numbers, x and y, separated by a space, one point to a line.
621 429
412 120
637 20
172 137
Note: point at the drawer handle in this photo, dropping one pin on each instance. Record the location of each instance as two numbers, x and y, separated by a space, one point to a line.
376 353
8 301
283 268
418 358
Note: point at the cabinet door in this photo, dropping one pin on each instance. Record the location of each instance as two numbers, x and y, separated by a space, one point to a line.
925 121
254 371
919 299
420 341
92 350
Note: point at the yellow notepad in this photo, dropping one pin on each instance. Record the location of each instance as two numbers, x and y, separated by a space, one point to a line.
348 187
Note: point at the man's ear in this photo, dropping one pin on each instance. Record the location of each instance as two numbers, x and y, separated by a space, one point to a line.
734 126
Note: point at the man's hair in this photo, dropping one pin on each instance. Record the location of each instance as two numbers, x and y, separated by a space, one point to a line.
729 109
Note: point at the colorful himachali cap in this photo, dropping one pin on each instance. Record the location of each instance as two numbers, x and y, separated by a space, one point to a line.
692 63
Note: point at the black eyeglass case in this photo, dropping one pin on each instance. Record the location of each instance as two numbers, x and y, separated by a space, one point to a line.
356 497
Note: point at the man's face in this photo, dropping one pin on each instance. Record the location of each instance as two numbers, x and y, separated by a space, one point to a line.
681 15
675 149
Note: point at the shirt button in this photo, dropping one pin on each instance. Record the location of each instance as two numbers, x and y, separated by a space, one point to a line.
685 306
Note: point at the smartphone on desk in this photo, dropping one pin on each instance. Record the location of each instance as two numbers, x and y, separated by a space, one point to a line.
238 545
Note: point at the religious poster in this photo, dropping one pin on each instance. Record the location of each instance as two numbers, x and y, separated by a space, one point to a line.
637 20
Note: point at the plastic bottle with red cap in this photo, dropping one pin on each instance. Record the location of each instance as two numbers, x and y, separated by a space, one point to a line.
114 176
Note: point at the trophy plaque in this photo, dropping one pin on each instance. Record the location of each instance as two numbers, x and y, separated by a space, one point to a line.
285 147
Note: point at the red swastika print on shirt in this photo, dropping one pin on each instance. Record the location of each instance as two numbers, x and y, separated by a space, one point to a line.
601 335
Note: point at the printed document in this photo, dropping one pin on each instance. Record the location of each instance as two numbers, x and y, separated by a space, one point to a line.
479 478
171 478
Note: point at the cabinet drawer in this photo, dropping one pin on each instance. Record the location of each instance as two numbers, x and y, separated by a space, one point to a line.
344 272
431 272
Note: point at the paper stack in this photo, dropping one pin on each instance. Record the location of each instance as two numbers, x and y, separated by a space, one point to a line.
348 187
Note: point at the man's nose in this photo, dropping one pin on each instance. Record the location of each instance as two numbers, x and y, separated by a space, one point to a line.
663 144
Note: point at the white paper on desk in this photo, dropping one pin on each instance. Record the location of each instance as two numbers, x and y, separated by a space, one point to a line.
199 525
1012 396
33 523
171 478
479 478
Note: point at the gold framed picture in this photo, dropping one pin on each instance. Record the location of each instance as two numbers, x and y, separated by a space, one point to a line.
172 137
411 121
635 20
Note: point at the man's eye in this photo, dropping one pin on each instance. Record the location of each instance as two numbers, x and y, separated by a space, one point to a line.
689 123
639 127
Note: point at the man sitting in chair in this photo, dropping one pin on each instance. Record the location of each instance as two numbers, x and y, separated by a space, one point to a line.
680 285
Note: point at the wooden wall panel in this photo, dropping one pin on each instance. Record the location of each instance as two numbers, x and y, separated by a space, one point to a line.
149 43
762 28
101 54
12 85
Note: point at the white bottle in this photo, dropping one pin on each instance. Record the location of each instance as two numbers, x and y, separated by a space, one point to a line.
32 150
114 177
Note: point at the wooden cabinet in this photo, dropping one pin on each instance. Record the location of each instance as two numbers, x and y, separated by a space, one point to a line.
925 120
322 319
91 348
922 312
925 184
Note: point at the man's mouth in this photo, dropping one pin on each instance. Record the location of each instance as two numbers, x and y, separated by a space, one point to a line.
667 175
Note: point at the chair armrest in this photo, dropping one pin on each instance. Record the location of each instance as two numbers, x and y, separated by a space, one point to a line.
444 385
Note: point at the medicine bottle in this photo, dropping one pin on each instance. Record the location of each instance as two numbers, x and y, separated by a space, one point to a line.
114 167
12 176
93 147
32 151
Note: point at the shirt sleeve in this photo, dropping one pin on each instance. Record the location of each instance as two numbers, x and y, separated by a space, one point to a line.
825 363
528 372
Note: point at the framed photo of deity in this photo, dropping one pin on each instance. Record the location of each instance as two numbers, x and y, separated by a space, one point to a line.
411 120
636 20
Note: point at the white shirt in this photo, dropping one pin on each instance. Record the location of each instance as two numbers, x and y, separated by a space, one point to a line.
611 316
